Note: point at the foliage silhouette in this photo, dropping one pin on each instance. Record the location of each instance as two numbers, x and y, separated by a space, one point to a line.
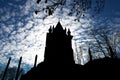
77 8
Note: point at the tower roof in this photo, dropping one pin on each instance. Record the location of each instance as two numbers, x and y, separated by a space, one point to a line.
59 26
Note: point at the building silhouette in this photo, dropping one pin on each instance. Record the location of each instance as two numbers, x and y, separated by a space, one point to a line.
58 48
58 57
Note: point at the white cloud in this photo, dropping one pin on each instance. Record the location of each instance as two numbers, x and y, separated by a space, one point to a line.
29 35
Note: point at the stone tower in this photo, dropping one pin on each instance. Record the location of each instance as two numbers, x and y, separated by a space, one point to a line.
58 48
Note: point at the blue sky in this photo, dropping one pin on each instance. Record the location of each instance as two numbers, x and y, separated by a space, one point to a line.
112 7
22 33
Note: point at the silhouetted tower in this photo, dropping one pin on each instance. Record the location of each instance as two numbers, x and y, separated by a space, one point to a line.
58 48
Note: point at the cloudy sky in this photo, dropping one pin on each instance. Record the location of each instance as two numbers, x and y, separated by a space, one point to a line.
23 33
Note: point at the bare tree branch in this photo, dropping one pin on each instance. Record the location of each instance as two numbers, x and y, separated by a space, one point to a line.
75 7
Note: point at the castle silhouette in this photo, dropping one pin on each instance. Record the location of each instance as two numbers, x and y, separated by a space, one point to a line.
58 57
58 48
59 61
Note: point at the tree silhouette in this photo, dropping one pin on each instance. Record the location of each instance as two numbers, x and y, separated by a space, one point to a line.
77 8
90 54
105 41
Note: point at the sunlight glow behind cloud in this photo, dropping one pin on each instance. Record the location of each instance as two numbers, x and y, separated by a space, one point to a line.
24 34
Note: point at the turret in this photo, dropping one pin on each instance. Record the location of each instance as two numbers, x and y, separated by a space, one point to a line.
69 32
65 30
50 30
